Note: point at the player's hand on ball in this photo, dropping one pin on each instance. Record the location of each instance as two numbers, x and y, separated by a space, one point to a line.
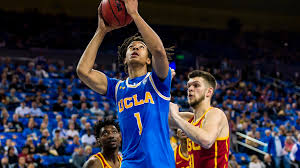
131 6
101 24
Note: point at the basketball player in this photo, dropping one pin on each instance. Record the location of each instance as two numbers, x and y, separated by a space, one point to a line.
142 99
181 153
108 138
207 129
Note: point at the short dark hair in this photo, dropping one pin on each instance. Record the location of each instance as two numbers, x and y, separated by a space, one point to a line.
100 124
209 78
137 37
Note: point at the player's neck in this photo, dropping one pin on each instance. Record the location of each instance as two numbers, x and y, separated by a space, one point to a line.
183 147
110 155
136 71
201 108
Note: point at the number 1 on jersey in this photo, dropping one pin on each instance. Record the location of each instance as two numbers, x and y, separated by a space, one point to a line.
139 122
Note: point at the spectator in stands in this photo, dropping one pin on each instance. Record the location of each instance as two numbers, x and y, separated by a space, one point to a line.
41 100
12 98
28 86
46 134
88 138
250 142
109 114
57 136
232 162
4 119
83 100
8 144
30 144
4 84
87 126
31 69
73 145
288 145
46 120
15 83
96 110
70 92
59 105
26 155
88 150
40 72
17 126
71 132
3 98
74 120
295 152
4 162
12 157
43 146
256 163
52 71
58 118
82 122
84 111
2 150
62 131
69 110
22 110
275 148
42 128
58 148
30 130
35 111
79 157
268 161
21 163
266 139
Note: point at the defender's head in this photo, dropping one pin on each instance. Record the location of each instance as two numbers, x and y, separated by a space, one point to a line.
108 134
201 86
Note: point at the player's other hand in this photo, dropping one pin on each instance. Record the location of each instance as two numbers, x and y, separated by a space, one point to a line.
101 24
174 110
131 7
173 73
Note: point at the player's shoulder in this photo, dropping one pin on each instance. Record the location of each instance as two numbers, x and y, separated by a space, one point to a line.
92 162
216 112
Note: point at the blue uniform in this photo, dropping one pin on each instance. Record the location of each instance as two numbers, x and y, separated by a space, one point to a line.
143 108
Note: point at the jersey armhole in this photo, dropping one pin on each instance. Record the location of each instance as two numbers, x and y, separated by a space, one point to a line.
157 91
116 91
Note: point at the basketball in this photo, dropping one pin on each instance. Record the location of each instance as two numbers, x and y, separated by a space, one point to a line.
114 13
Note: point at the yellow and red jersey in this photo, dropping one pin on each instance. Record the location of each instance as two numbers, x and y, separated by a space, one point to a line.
104 162
180 160
214 157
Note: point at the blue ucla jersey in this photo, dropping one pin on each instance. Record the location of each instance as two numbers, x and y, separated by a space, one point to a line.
143 108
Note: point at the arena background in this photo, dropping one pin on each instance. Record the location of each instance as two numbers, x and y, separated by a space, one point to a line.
252 47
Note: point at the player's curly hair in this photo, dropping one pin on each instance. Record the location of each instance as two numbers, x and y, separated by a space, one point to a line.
137 37
100 124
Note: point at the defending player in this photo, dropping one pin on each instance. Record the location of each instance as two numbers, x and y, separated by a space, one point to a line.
181 153
108 138
207 129
142 99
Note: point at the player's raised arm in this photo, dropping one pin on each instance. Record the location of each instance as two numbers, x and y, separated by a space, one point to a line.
206 135
96 80
160 62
